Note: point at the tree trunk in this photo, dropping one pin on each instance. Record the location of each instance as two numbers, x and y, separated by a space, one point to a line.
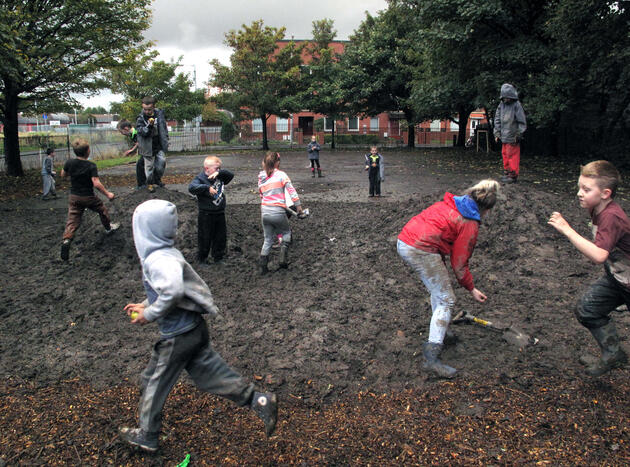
13 163
332 141
265 144
464 113
411 129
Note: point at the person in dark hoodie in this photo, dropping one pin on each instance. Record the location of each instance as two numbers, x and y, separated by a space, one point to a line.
152 141
177 299
509 126
208 186
447 228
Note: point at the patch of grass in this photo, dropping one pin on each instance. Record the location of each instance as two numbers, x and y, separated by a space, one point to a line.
105 163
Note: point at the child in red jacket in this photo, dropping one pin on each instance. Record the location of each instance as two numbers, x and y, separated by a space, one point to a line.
447 228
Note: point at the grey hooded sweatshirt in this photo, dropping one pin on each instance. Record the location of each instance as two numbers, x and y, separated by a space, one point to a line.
176 295
509 121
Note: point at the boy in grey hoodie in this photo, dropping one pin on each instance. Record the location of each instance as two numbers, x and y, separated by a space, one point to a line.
177 298
509 126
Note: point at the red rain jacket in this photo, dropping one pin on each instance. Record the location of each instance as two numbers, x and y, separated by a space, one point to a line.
442 229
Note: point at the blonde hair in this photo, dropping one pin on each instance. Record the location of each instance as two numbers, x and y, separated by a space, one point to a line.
270 161
484 193
605 174
81 147
211 160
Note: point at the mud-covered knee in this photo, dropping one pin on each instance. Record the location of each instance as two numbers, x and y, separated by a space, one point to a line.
585 316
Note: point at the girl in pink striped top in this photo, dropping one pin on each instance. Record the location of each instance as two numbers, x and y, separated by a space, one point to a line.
273 186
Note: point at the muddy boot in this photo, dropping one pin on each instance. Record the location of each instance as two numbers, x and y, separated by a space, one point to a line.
613 356
450 338
266 407
431 352
319 173
313 173
65 249
284 255
139 438
505 176
263 261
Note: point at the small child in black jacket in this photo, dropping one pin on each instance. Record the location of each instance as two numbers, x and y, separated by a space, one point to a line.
209 188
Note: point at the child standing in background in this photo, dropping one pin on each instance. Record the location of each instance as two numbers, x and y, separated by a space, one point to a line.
509 126
313 149
375 165
48 175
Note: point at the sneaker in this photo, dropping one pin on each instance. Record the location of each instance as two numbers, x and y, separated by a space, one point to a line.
114 226
65 249
151 188
138 437
266 407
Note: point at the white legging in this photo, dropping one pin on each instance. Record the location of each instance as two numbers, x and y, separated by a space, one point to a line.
274 221
432 271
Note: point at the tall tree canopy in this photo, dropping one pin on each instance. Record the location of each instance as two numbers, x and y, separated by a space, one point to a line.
263 79
160 80
52 48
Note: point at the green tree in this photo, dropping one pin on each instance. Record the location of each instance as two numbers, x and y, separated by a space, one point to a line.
323 92
263 79
160 80
379 64
50 49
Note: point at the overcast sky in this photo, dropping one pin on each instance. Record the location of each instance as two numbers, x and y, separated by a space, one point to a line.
195 29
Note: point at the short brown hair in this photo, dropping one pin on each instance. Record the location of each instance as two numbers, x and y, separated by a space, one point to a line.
148 100
81 147
269 162
605 174
211 160
123 124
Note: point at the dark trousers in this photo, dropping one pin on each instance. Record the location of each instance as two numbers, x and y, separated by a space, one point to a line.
602 297
375 181
76 206
211 234
313 162
141 177
191 352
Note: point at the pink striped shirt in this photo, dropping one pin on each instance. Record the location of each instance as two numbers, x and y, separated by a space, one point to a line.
272 189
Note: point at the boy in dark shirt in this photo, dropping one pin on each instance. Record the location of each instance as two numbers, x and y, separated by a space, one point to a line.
208 187
375 165
125 128
83 178
611 246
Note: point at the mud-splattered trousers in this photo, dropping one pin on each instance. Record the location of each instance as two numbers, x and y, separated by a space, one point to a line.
274 222
192 352
434 275
603 296
76 206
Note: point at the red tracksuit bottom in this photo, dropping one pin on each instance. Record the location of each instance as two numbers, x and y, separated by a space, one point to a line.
511 153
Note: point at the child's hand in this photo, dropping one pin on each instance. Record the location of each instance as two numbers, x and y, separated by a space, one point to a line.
137 310
367 167
151 121
213 175
557 222
110 195
478 295
212 191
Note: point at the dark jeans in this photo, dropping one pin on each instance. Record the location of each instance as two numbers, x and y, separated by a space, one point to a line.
191 352
211 234
141 177
76 206
375 181
602 297
313 162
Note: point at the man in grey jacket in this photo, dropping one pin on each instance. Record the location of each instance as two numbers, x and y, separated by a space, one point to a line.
152 141
509 126
176 299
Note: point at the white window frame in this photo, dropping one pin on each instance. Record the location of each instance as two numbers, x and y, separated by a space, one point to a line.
356 119
326 121
282 125
374 124
453 126
257 125
435 125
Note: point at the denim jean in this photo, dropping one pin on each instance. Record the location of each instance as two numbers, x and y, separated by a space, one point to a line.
274 222
432 271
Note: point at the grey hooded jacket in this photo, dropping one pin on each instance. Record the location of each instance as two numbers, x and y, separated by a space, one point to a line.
509 121
176 294
146 132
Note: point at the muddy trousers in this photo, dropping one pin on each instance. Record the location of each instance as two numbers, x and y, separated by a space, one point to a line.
511 153
191 352
141 177
274 221
374 177
602 297
211 233
76 206
49 185
433 274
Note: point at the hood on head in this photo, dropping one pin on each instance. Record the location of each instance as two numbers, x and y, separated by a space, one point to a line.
154 226
508 92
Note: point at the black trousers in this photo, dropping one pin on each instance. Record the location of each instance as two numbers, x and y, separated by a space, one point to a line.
600 299
141 177
375 181
211 235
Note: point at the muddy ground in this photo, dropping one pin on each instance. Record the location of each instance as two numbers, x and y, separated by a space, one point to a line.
347 317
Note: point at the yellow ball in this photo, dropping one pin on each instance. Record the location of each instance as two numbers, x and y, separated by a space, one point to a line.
133 315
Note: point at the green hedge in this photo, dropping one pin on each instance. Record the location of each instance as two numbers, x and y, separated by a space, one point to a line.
352 139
